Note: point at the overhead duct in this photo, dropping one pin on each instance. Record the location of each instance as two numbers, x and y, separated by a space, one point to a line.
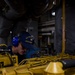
13 9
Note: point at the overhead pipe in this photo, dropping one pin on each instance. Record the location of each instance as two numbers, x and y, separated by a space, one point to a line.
47 7
14 11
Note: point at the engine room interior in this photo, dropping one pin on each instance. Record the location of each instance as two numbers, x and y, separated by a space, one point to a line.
37 37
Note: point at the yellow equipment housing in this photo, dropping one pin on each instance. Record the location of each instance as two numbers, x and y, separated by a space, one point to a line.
45 65
7 60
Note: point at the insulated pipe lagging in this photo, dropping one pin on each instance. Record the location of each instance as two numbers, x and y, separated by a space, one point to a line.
68 63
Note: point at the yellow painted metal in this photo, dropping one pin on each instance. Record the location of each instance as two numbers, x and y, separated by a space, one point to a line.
70 71
55 68
6 72
4 61
38 70
7 60
23 71
38 66
53 74
15 60
3 45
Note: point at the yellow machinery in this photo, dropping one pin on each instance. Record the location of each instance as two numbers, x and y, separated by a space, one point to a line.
7 60
46 65
62 64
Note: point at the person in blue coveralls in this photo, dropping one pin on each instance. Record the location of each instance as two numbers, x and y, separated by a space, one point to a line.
23 46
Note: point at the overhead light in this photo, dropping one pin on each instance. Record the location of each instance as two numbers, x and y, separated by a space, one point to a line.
10 32
54 2
53 13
